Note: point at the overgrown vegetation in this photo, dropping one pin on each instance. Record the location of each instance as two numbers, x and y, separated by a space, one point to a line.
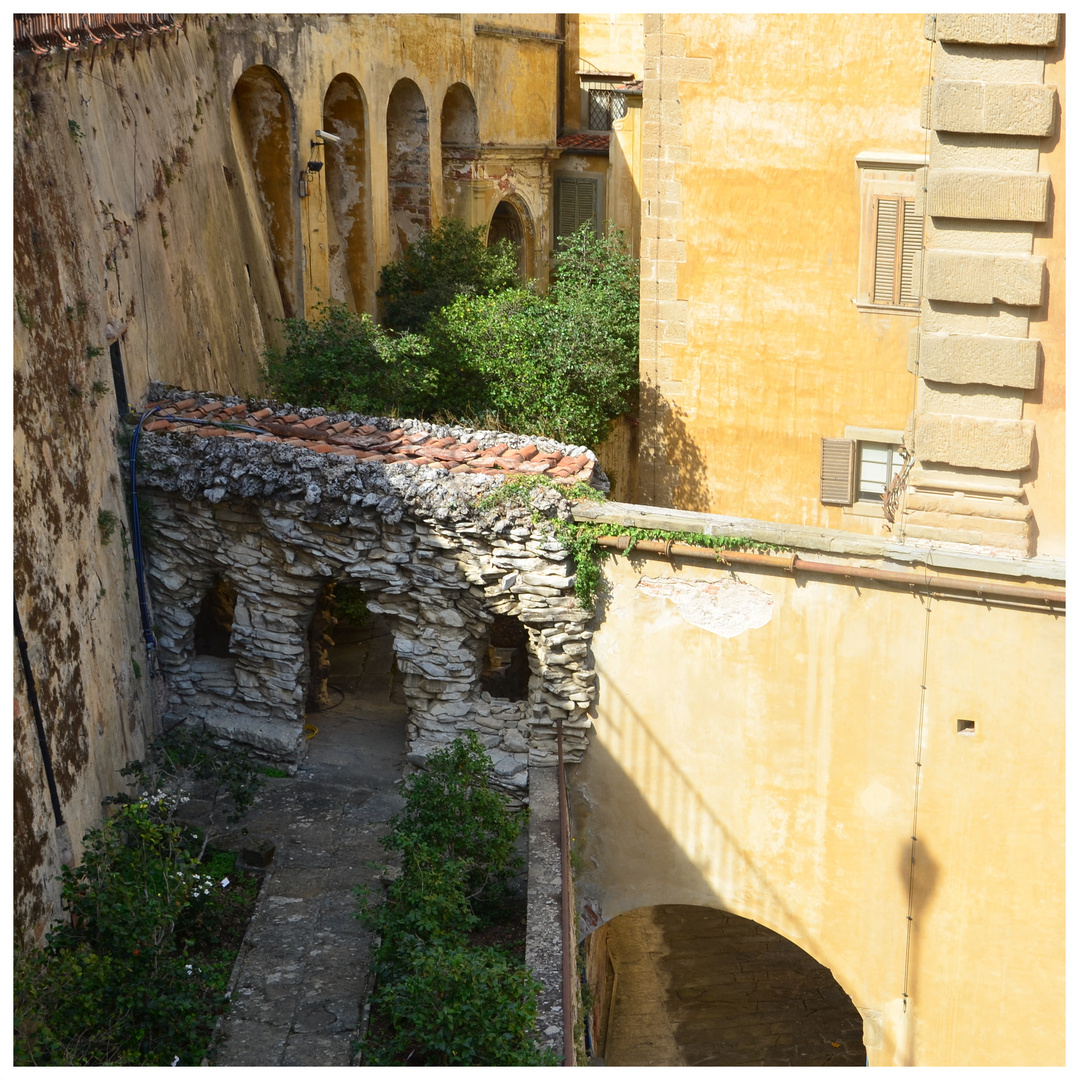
462 338
441 1000
137 973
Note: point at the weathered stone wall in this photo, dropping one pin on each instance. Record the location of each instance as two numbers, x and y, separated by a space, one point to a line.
278 522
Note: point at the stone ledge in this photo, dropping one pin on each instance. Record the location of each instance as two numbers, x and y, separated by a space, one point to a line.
994 108
918 501
969 277
829 541
975 358
988 195
994 29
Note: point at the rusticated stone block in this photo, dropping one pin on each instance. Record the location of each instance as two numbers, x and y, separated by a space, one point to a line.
988 195
956 504
929 475
1002 403
977 358
987 526
971 277
1003 541
974 442
994 108
994 29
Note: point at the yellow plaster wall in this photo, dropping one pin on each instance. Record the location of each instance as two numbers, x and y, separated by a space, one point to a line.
765 200
612 41
773 774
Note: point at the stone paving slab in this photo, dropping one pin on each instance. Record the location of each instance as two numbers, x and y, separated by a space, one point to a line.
299 983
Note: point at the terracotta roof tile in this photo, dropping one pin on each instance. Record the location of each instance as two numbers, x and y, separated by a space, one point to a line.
363 442
586 140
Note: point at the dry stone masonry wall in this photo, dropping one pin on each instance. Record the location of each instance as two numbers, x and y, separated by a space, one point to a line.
278 521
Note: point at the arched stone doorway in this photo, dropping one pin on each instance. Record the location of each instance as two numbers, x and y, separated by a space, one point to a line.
682 985
262 121
408 165
511 222
348 194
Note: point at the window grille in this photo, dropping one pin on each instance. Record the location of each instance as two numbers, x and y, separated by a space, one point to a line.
604 107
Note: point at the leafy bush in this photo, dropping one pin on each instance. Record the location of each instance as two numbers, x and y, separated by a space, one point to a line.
460 1006
467 340
137 974
452 811
440 1001
184 755
345 361
448 261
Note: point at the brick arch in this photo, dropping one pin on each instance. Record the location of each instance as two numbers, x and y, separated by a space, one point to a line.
460 122
263 135
348 193
511 220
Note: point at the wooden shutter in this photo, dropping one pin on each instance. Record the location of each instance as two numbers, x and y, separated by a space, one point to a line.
576 204
837 472
909 287
887 244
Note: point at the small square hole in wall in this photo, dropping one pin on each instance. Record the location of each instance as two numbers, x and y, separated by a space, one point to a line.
964 727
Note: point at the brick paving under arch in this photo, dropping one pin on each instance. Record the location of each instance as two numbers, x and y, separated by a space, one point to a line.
698 986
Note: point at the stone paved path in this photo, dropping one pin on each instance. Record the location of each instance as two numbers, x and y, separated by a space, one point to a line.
301 976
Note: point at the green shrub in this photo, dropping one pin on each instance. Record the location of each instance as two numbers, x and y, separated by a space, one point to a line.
460 1006
466 340
444 263
440 1001
345 362
452 811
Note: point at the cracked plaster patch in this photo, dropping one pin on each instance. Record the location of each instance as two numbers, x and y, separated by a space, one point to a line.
727 607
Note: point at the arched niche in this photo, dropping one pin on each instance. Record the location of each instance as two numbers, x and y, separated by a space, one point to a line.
408 165
460 125
212 631
262 123
511 221
348 179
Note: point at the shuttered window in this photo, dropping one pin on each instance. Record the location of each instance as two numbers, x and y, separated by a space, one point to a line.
837 471
577 202
897 242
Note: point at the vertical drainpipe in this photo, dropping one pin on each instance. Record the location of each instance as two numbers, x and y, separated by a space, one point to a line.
560 106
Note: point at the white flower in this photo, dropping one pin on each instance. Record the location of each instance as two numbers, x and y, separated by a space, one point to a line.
176 1061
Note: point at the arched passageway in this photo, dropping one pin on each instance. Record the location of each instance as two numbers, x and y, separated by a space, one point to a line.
261 131
408 165
511 222
682 985
348 194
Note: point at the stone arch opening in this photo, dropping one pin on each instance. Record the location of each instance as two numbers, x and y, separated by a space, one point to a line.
212 631
348 177
511 221
408 165
504 672
262 123
677 984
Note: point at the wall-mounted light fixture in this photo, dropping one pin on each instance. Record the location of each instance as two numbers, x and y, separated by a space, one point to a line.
326 136
314 166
